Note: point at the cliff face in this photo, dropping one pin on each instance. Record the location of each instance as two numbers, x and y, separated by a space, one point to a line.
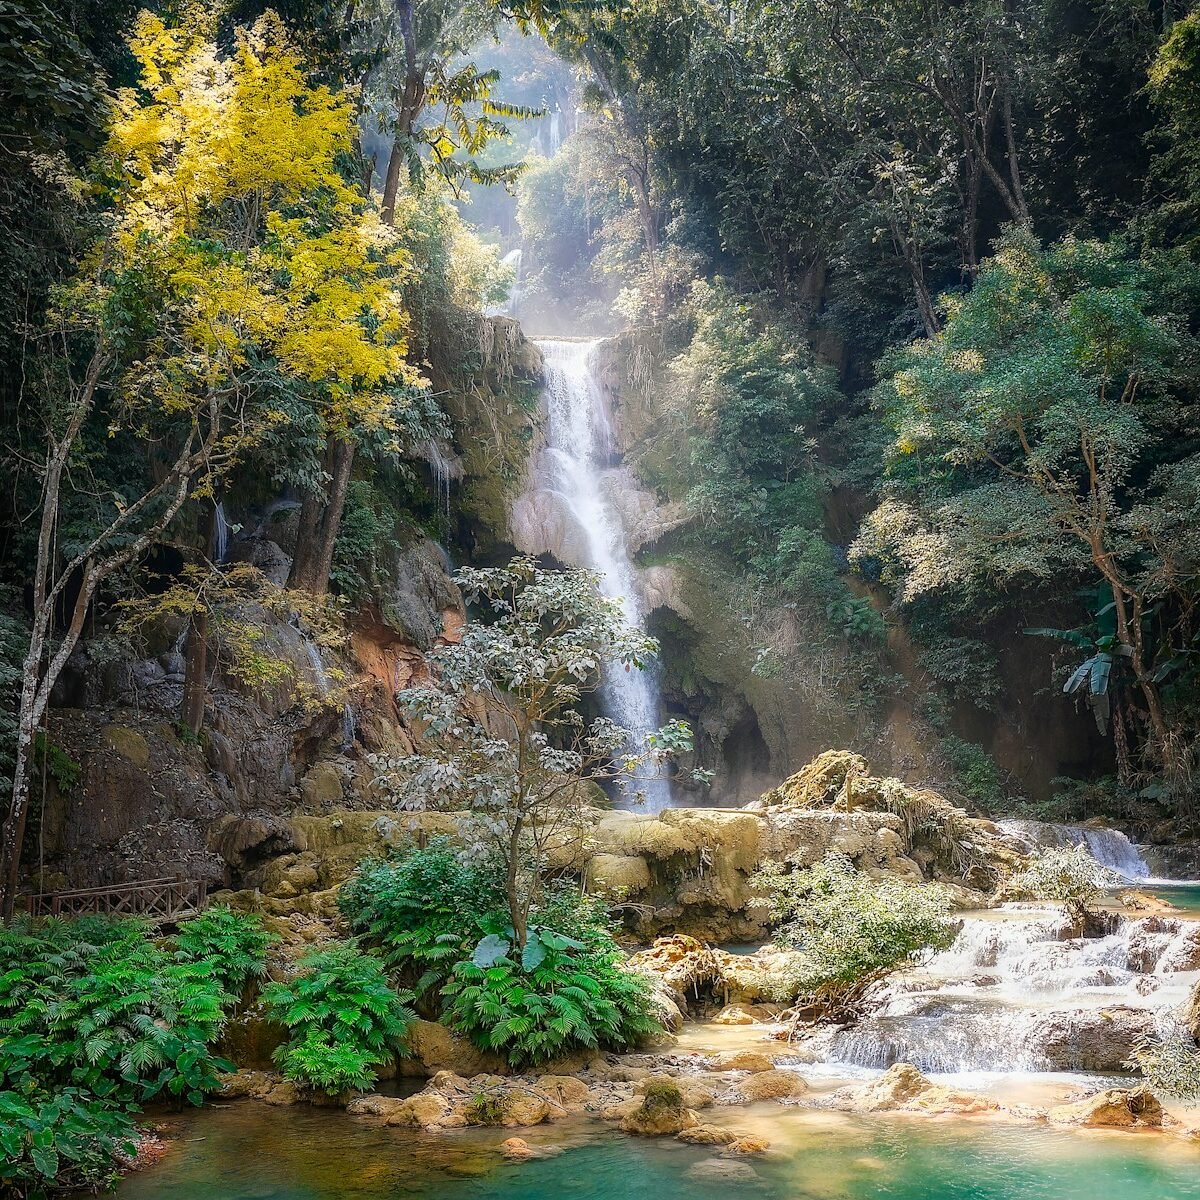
127 796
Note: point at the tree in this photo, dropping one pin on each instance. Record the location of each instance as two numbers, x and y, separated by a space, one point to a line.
501 732
849 931
235 254
1036 435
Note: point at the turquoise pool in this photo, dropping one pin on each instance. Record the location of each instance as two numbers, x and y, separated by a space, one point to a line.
250 1152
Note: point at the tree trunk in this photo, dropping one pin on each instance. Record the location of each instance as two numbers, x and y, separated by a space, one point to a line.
320 521
195 671
516 910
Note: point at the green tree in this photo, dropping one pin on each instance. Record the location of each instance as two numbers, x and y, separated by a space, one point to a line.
503 737
1036 438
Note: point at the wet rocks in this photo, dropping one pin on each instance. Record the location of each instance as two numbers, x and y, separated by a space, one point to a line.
902 1088
1114 1108
662 1111
768 1085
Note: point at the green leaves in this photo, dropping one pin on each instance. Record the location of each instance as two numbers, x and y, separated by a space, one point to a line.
343 1018
848 927
566 993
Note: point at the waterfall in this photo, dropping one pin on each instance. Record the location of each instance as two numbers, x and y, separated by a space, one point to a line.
323 687
220 534
579 443
1109 847
445 469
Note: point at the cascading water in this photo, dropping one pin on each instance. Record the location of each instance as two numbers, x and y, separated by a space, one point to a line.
220 534
579 443
1109 847
1019 992
323 688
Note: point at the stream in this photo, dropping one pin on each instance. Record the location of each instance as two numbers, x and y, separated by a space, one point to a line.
317 1154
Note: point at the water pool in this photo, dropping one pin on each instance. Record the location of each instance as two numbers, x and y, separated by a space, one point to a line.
251 1152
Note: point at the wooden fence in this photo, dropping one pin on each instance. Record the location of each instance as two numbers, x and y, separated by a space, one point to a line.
162 901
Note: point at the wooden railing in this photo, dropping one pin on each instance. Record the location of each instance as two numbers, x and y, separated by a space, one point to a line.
162 901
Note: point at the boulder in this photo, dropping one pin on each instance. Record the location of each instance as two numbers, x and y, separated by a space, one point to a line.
433 1048
322 785
770 1085
902 1088
517 1149
618 875
693 1092
722 1170
661 1112
748 1145
741 1060
706 1135
565 1092
1113 1108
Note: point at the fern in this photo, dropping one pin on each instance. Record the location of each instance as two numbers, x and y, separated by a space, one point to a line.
342 1016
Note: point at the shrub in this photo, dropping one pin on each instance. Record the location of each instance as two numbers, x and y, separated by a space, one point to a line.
420 910
94 1004
1170 1061
558 995
234 944
342 1016
849 931
64 1139
1072 877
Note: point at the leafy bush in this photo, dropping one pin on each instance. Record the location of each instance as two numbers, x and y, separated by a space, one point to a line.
1072 877
849 930
342 1016
235 944
420 910
1170 1061
60 1140
558 995
94 1004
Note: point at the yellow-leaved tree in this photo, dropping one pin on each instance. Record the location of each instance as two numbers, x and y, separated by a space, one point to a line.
239 284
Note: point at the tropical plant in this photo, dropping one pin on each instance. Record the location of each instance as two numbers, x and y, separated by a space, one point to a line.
850 931
1170 1061
421 909
549 997
1096 677
94 1004
342 1016
231 268
234 944
503 737
1046 404
59 1140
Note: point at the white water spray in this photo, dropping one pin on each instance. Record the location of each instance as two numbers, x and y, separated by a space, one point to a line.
579 444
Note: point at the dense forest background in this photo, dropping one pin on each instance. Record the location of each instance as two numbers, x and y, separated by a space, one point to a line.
906 299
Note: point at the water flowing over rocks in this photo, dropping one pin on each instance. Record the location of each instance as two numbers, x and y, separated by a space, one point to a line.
1022 991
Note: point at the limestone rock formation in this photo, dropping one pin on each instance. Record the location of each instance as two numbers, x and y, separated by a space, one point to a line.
1113 1108
902 1088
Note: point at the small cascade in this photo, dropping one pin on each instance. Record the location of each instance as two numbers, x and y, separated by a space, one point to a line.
1018 992
1109 847
580 443
324 688
554 139
445 469
220 534
515 259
